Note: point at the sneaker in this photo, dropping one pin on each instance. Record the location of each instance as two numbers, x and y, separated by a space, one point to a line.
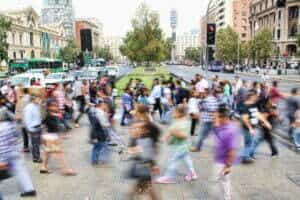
247 160
165 180
26 150
29 194
191 177
274 155
194 149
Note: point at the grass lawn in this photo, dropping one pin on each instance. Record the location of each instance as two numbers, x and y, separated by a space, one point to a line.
146 76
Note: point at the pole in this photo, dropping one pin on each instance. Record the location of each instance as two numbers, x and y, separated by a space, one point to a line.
206 47
238 53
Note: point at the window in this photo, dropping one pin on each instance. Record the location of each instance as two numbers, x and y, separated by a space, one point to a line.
293 30
293 12
279 15
278 34
244 35
21 39
31 39
21 54
32 54
14 55
13 37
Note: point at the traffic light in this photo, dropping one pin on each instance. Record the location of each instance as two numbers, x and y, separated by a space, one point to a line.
211 34
281 3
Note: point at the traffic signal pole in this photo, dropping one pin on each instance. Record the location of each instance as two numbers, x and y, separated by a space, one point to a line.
206 47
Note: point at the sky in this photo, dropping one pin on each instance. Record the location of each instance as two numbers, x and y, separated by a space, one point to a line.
116 14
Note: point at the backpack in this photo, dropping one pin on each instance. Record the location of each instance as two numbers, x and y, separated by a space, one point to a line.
97 131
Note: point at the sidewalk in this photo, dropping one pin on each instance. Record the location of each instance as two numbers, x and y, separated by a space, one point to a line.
290 77
266 179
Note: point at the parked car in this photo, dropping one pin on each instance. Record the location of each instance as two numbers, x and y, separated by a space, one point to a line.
216 66
112 71
25 79
229 68
60 77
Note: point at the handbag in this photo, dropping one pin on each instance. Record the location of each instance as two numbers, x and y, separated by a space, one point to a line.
140 170
5 173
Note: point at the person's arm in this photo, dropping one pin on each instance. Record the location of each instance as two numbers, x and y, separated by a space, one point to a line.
246 121
229 161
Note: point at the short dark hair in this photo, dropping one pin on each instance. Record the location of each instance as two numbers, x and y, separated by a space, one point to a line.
224 111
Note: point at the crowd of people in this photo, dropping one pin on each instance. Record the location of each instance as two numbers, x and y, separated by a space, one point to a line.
221 108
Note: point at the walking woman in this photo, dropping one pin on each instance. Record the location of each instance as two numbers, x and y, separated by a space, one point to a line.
146 135
178 139
52 141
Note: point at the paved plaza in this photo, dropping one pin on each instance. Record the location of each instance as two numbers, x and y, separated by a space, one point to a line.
267 179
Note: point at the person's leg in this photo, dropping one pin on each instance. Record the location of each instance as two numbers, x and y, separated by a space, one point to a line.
247 145
193 126
270 140
172 165
35 141
25 140
224 183
191 175
256 140
95 153
123 116
44 166
21 173
204 132
104 152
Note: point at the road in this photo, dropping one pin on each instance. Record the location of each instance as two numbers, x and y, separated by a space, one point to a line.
188 73
267 179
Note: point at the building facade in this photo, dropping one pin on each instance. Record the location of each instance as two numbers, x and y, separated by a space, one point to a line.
283 22
27 38
114 43
59 12
224 13
96 32
184 41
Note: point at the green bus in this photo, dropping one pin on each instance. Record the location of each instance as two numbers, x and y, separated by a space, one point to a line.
23 65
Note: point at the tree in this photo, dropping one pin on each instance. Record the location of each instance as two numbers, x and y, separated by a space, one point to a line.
69 52
261 46
145 42
4 27
226 45
103 52
193 54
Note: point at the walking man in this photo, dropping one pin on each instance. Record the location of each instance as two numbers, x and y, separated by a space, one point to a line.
32 121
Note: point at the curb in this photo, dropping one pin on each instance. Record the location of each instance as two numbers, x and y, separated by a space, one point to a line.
271 77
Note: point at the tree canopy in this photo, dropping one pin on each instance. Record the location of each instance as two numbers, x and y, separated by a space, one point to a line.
226 45
4 28
103 52
69 52
193 54
145 42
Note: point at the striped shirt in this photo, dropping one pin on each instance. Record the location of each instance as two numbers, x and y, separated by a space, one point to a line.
208 106
9 145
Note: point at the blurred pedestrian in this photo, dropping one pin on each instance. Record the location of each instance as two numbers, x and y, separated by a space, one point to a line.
178 139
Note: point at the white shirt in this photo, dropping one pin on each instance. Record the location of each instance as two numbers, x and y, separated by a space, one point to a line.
77 88
32 116
156 92
193 105
202 85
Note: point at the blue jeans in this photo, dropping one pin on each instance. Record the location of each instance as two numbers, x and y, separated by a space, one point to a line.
204 132
296 136
100 147
248 144
174 161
